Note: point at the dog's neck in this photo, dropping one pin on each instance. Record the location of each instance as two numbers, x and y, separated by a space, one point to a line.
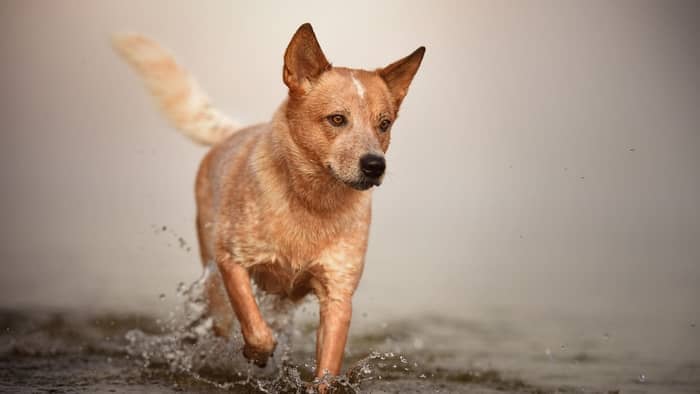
310 184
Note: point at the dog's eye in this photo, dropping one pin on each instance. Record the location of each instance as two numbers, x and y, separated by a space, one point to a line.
337 120
384 125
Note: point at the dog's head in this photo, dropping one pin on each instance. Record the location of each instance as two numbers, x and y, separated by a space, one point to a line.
341 118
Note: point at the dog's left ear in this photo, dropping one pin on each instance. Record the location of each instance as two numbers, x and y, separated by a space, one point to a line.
304 61
398 75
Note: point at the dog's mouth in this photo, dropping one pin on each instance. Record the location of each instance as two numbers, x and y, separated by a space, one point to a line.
364 183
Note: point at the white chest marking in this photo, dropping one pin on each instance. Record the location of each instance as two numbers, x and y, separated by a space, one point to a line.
358 86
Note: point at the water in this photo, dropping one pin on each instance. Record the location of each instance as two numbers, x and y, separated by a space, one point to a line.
70 351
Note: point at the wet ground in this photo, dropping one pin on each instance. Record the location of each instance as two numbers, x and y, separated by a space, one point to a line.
70 351
64 352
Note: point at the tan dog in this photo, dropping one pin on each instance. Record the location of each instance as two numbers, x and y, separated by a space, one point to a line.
286 203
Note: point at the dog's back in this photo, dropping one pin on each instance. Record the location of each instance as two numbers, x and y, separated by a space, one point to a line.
223 166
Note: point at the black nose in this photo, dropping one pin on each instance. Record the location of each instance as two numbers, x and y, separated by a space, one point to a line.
372 166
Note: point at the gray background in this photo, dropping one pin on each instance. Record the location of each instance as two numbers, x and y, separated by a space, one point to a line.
546 158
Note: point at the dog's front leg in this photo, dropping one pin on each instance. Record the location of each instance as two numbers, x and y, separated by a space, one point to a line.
334 283
257 335
332 334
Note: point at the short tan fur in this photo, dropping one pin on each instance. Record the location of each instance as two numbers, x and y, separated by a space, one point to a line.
286 203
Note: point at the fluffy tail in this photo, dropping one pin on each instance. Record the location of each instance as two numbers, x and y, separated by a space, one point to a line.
177 94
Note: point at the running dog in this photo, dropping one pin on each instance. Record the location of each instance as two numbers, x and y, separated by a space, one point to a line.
285 203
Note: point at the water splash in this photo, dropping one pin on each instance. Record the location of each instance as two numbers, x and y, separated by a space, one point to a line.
186 345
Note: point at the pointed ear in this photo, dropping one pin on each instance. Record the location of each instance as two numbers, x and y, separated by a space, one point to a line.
304 60
398 75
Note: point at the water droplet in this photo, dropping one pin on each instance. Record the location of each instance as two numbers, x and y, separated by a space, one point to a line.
422 376
642 378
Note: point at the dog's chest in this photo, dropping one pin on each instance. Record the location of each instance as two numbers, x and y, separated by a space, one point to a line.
284 246
279 260
286 241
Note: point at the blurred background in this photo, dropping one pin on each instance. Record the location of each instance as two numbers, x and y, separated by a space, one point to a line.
544 168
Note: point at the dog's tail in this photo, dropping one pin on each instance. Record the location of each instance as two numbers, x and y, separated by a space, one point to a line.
177 94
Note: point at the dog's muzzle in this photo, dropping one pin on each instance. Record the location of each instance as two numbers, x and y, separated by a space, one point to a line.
372 169
372 166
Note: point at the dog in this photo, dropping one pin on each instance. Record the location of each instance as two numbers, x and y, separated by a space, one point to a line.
286 203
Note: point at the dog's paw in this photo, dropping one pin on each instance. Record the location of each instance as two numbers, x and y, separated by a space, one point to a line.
316 387
258 355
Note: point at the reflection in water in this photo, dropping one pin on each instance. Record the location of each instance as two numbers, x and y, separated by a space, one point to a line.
69 351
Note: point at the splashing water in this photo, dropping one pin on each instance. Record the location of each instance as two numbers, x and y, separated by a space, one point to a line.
187 345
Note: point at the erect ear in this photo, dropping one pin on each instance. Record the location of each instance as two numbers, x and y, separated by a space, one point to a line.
304 60
398 75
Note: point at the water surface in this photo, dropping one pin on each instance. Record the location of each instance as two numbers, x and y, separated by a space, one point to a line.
72 351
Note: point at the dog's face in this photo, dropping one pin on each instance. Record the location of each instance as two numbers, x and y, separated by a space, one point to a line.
341 118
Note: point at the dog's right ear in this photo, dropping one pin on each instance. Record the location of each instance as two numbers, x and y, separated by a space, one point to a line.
304 61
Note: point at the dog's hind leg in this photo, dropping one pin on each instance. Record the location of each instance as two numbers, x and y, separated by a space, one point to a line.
218 306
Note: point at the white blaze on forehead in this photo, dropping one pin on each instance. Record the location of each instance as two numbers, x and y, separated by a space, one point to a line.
358 86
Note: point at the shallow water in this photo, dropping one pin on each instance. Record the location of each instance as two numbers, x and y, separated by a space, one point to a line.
70 351
67 352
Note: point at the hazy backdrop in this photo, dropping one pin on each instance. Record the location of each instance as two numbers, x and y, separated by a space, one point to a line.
547 156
